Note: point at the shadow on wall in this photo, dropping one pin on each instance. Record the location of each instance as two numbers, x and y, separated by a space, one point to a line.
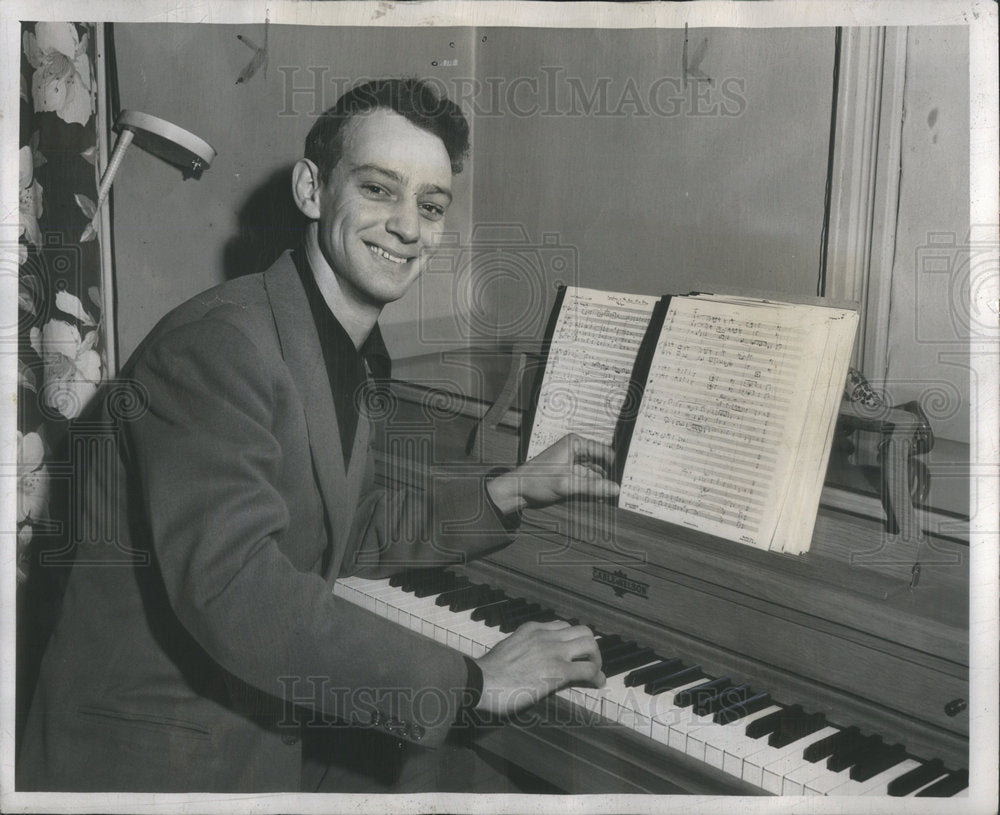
269 224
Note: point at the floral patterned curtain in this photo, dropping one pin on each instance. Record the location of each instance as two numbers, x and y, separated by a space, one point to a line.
62 332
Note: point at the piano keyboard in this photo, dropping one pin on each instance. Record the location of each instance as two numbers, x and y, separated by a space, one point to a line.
727 724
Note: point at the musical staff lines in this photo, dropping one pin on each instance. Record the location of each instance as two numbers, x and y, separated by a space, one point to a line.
593 348
725 399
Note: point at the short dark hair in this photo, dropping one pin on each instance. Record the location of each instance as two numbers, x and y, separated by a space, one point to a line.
414 99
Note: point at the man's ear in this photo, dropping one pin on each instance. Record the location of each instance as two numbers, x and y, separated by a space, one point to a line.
306 187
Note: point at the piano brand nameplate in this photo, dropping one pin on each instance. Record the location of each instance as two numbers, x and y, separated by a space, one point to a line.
620 583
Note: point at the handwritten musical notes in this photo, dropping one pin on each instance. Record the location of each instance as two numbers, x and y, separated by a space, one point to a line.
587 373
738 405
737 417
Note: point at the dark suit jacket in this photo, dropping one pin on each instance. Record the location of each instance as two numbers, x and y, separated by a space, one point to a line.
200 645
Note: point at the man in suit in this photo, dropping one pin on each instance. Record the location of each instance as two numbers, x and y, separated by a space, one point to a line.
240 483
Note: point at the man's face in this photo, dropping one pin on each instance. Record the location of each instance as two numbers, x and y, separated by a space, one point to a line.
383 204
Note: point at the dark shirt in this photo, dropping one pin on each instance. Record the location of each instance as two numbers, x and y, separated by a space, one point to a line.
353 372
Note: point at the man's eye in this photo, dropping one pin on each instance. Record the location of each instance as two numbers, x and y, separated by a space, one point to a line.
434 212
375 190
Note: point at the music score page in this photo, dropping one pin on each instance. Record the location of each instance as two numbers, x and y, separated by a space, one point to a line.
587 372
737 417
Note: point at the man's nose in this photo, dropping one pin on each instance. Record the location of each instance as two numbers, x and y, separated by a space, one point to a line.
404 222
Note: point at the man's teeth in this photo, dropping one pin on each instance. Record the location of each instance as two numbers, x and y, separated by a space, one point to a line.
380 252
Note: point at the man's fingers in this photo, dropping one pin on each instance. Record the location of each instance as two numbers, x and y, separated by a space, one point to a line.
584 671
596 485
594 451
562 631
551 625
583 649
568 642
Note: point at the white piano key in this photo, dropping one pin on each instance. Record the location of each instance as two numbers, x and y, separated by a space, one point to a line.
460 634
627 702
775 776
720 738
679 721
441 622
412 610
615 695
826 782
760 754
578 695
665 723
795 781
640 717
378 598
637 708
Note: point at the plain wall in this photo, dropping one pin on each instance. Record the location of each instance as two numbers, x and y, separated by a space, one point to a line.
670 183
595 161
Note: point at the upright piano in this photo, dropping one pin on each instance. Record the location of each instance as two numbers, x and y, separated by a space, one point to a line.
843 670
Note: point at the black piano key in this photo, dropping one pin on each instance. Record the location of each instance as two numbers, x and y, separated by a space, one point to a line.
607 641
769 724
418 577
916 778
674 680
511 618
869 749
692 696
648 674
951 784
446 582
797 727
482 596
848 753
751 704
445 598
625 662
511 613
618 650
825 746
724 698
878 762
401 577
494 613
480 612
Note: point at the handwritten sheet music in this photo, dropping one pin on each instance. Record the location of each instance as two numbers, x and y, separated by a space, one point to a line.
594 345
729 388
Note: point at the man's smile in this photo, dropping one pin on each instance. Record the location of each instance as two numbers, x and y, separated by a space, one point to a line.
378 251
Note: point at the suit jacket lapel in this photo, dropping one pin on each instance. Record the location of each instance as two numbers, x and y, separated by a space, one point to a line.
301 351
355 481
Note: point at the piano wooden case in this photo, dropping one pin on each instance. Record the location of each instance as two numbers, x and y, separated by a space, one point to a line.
869 628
